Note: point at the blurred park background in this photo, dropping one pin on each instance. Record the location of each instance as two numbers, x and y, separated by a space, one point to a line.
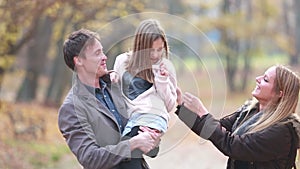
218 48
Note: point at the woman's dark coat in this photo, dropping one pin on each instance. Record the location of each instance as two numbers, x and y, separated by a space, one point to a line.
272 148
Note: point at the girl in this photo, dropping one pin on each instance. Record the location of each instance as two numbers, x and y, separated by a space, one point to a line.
148 82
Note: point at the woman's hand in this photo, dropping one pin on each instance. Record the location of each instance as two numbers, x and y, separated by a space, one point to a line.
179 96
194 104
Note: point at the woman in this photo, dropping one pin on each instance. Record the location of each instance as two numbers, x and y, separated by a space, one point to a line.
149 84
263 133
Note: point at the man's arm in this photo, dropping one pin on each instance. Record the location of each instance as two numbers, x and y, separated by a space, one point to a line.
81 140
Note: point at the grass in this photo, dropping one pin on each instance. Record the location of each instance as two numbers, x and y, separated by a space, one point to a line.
42 150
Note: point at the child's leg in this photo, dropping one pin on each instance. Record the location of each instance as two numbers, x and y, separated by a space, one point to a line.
153 153
136 155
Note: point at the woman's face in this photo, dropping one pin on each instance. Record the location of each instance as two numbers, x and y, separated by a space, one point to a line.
263 91
157 51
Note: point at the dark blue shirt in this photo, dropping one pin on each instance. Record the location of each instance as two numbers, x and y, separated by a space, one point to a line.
104 97
134 86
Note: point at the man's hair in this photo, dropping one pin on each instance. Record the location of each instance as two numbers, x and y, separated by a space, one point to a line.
76 44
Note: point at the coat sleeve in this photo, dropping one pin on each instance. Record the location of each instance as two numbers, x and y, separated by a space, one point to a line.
228 121
81 140
119 65
269 144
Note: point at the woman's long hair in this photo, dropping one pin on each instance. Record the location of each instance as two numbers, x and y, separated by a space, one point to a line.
139 63
278 109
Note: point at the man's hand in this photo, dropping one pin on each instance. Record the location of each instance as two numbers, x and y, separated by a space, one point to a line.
155 134
146 140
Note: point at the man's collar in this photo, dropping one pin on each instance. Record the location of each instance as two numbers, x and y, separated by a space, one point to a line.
106 79
102 83
92 89
80 87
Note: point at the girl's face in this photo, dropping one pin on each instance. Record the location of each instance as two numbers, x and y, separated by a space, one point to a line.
264 91
157 51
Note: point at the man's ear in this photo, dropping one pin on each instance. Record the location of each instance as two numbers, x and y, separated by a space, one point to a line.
77 60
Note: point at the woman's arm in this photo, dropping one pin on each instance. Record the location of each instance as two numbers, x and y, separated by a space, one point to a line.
228 121
269 144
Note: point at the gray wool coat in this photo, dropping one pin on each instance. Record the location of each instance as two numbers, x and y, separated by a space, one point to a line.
90 130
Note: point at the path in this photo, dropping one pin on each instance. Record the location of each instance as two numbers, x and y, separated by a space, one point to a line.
179 149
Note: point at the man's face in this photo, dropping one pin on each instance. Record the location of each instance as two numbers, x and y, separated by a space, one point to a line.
94 62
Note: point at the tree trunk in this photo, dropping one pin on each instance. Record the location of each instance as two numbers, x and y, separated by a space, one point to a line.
248 48
294 60
232 62
232 46
60 77
37 57
289 33
236 48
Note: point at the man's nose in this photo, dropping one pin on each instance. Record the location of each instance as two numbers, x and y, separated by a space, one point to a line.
104 57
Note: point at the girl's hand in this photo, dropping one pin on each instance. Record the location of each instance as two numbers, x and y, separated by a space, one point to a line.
114 77
163 70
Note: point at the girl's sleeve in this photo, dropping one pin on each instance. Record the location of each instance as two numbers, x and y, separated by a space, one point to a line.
119 66
166 86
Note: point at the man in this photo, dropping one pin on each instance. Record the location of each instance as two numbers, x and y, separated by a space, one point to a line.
93 113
